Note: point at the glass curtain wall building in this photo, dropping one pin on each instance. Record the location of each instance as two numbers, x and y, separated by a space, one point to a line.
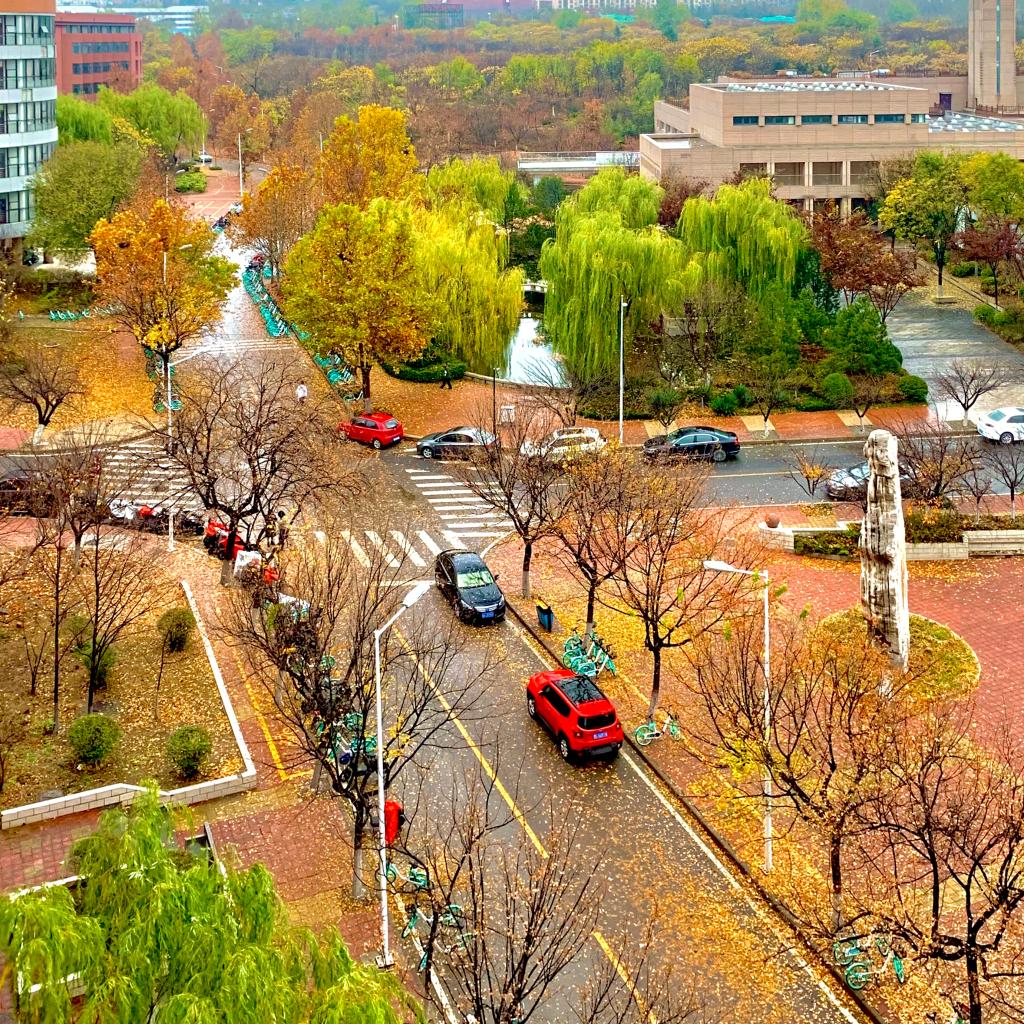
28 120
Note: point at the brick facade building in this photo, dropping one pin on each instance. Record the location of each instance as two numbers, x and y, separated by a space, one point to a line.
95 50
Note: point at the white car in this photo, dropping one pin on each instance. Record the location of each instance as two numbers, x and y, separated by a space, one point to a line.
205 158
1003 425
565 443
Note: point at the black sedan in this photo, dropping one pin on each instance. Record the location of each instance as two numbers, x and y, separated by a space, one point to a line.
457 443
694 443
464 579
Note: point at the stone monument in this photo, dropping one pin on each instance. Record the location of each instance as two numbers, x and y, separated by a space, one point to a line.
883 552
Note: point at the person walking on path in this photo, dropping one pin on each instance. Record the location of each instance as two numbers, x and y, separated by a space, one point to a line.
446 378
300 393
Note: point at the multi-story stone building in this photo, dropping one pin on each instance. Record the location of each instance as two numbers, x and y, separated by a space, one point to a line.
821 140
28 121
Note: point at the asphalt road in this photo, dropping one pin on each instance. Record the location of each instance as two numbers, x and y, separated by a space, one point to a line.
653 860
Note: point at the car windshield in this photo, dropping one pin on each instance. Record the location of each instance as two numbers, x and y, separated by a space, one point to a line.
474 578
997 415
390 424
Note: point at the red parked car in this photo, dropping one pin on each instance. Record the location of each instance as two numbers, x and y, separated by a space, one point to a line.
578 715
374 428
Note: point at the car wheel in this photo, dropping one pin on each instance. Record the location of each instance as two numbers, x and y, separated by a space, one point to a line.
376 443
718 455
465 616
1006 438
531 707
427 452
564 749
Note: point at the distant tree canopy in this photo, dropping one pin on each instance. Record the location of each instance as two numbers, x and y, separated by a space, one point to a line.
81 121
168 119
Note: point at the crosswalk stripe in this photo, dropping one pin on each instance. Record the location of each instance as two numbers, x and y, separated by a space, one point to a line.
470 526
428 542
408 549
357 549
376 538
453 539
427 476
482 533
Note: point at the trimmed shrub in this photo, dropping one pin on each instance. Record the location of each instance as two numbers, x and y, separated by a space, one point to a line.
104 663
93 738
743 396
837 543
837 390
962 269
913 389
664 403
190 181
724 403
926 525
175 626
429 374
188 747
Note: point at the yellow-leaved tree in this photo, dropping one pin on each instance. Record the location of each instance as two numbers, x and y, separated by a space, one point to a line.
354 283
369 158
156 271
277 214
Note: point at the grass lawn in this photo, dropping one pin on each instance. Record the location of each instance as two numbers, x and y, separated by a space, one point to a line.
111 366
187 696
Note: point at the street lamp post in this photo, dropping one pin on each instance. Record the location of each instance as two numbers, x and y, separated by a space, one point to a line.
386 960
494 401
622 363
716 566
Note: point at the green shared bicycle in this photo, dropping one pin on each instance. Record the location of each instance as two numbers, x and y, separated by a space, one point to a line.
648 732
865 957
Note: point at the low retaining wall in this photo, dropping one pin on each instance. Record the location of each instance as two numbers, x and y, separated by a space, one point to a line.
121 793
975 543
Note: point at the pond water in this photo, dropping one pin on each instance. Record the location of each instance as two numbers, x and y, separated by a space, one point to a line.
527 360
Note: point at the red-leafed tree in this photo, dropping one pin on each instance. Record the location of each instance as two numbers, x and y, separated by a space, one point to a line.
992 242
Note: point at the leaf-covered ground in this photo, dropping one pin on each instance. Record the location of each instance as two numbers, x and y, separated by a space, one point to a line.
187 695
110 364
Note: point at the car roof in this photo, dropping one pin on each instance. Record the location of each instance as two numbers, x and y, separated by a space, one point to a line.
379 417
464 559
574 432
580 690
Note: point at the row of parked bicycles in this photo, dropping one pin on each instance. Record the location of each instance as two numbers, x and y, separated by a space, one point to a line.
82 314
252 280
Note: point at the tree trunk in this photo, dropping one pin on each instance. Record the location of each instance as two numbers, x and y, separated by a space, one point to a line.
37 435
358 888
591 601
527 558
1013 504
973 987
364 372
835 867
655 683
56 640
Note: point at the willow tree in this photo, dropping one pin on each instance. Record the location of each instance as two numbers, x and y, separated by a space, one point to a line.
463 263
355 284
741 236
607 248
160 932
477 181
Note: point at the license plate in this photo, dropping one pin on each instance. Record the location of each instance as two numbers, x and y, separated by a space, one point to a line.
601 735
487 615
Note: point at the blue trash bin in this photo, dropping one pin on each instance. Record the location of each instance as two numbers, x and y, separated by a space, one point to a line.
545 616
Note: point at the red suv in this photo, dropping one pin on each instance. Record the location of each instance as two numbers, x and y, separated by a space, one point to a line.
376 428
576 713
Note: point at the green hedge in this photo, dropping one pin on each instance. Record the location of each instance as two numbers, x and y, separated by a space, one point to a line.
190 181
829 542
429 374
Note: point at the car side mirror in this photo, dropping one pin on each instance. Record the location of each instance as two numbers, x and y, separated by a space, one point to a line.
497 576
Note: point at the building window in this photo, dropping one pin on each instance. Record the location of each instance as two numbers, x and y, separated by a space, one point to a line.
815 118
864 172
753 170
739 119
918 118
827 173
779 119
890 118
788 174
853 118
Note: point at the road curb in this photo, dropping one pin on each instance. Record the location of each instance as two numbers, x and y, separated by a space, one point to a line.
725 848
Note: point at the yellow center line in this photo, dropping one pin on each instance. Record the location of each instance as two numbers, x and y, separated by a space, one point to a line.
601 941
641 1003
479 754
261 721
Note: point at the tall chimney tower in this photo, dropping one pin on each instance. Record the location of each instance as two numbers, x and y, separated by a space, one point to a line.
991 62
